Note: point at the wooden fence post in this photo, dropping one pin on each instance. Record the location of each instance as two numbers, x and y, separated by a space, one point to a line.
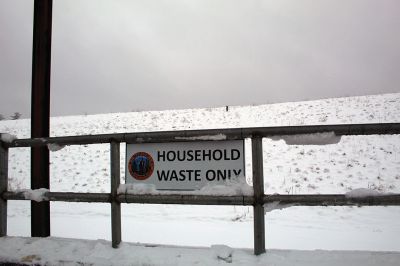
3 188
258 186
115 204
40 112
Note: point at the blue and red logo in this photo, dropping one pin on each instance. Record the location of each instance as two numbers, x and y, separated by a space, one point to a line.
141 165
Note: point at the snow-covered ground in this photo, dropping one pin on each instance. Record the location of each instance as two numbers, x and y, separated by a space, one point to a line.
355 162
61 251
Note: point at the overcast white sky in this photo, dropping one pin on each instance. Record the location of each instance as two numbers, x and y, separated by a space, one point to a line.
115 55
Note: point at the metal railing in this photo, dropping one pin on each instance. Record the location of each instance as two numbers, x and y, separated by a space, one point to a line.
257 200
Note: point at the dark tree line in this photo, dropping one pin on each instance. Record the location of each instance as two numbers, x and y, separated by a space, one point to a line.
15 116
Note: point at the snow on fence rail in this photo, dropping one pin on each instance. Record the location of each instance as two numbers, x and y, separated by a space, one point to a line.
211 134
258 200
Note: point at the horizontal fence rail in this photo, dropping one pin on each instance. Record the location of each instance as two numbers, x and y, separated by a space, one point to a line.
260 201
283 200
62 196
211 134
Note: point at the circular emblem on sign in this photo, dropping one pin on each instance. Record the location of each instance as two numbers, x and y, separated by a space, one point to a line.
141 165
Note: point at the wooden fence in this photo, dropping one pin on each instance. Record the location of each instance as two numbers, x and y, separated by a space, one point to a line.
257 200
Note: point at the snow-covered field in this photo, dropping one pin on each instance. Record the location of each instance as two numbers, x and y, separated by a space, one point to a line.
356 162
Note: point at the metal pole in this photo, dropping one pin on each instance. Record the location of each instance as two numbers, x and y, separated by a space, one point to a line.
3 188
258 186
115 205
40 113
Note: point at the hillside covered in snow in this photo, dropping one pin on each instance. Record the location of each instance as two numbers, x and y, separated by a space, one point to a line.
371 162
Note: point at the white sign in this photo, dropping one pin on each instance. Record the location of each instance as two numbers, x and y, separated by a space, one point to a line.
185 165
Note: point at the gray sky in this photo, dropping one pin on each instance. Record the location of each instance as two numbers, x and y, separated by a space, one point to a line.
114 55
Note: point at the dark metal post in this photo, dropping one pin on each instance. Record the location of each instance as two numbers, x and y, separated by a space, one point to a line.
115 204
40 112
3 188
258 186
